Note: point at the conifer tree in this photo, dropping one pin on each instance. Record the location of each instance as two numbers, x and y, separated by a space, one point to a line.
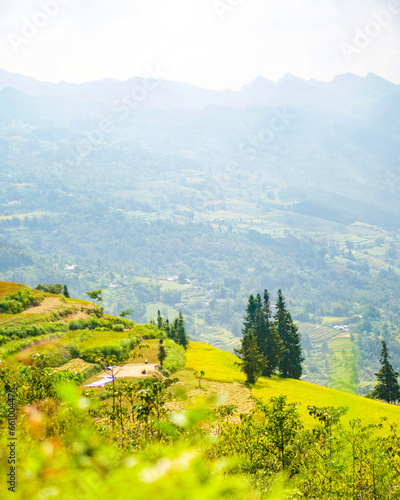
162 353
272 346
290 365
252 362
160 322
167 328
182 337
253 306
178 332
387 388
66 292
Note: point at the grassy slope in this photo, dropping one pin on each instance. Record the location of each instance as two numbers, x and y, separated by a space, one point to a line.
57 309
220 366
7 288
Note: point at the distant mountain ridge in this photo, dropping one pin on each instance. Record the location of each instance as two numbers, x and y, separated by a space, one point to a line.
171 95
335 143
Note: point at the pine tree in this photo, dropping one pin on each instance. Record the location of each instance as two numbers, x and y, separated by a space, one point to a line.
66 292
253 306
290 365
387 388
160 322
272 346
179 332
162 353
252 362
167 328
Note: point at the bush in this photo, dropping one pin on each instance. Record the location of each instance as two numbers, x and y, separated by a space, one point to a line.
17 302
56 289
117 350
176 358
32 330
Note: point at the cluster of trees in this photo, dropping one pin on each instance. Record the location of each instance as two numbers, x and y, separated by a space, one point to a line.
56 289
330 461
175 330
269 344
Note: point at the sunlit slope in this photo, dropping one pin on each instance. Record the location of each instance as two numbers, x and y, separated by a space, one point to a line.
220 366
7 288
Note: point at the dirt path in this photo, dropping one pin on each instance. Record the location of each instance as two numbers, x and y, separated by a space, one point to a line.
49 305
133 370
136 370
54 304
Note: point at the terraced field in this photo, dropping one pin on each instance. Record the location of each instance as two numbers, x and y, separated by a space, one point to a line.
316 332
219 338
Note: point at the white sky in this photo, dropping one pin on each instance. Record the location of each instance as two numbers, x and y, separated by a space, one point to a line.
210 43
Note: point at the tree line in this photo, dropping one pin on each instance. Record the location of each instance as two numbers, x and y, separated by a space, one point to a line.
271 343
175 330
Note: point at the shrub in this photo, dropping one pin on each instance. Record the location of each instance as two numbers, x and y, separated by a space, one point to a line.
17 302
176 358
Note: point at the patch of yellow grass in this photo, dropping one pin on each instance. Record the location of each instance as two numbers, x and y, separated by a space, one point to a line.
7 288
368 410
220 366
76 365
217 365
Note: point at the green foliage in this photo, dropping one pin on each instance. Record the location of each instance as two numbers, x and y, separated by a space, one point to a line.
152 397
127 312
92 323
16 302
199 374
33 383
32 330
56 289
117 351
328 462
176 358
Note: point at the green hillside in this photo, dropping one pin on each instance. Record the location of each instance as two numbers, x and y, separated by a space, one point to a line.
199 430
220 366
63 330
60 329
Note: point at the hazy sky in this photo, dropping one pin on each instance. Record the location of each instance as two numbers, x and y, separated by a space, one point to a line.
211 43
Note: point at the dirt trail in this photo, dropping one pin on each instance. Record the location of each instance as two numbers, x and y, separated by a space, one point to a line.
54 304
49 305
129 370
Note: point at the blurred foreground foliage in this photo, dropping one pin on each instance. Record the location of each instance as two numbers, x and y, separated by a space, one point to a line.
72 443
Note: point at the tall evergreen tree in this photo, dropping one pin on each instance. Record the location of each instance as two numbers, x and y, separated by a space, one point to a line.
179 332
66 292
253 306
272 346
167 328
160 322
162 353
290 365
252 362
387 388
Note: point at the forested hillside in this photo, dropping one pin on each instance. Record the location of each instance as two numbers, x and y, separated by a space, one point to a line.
193 205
